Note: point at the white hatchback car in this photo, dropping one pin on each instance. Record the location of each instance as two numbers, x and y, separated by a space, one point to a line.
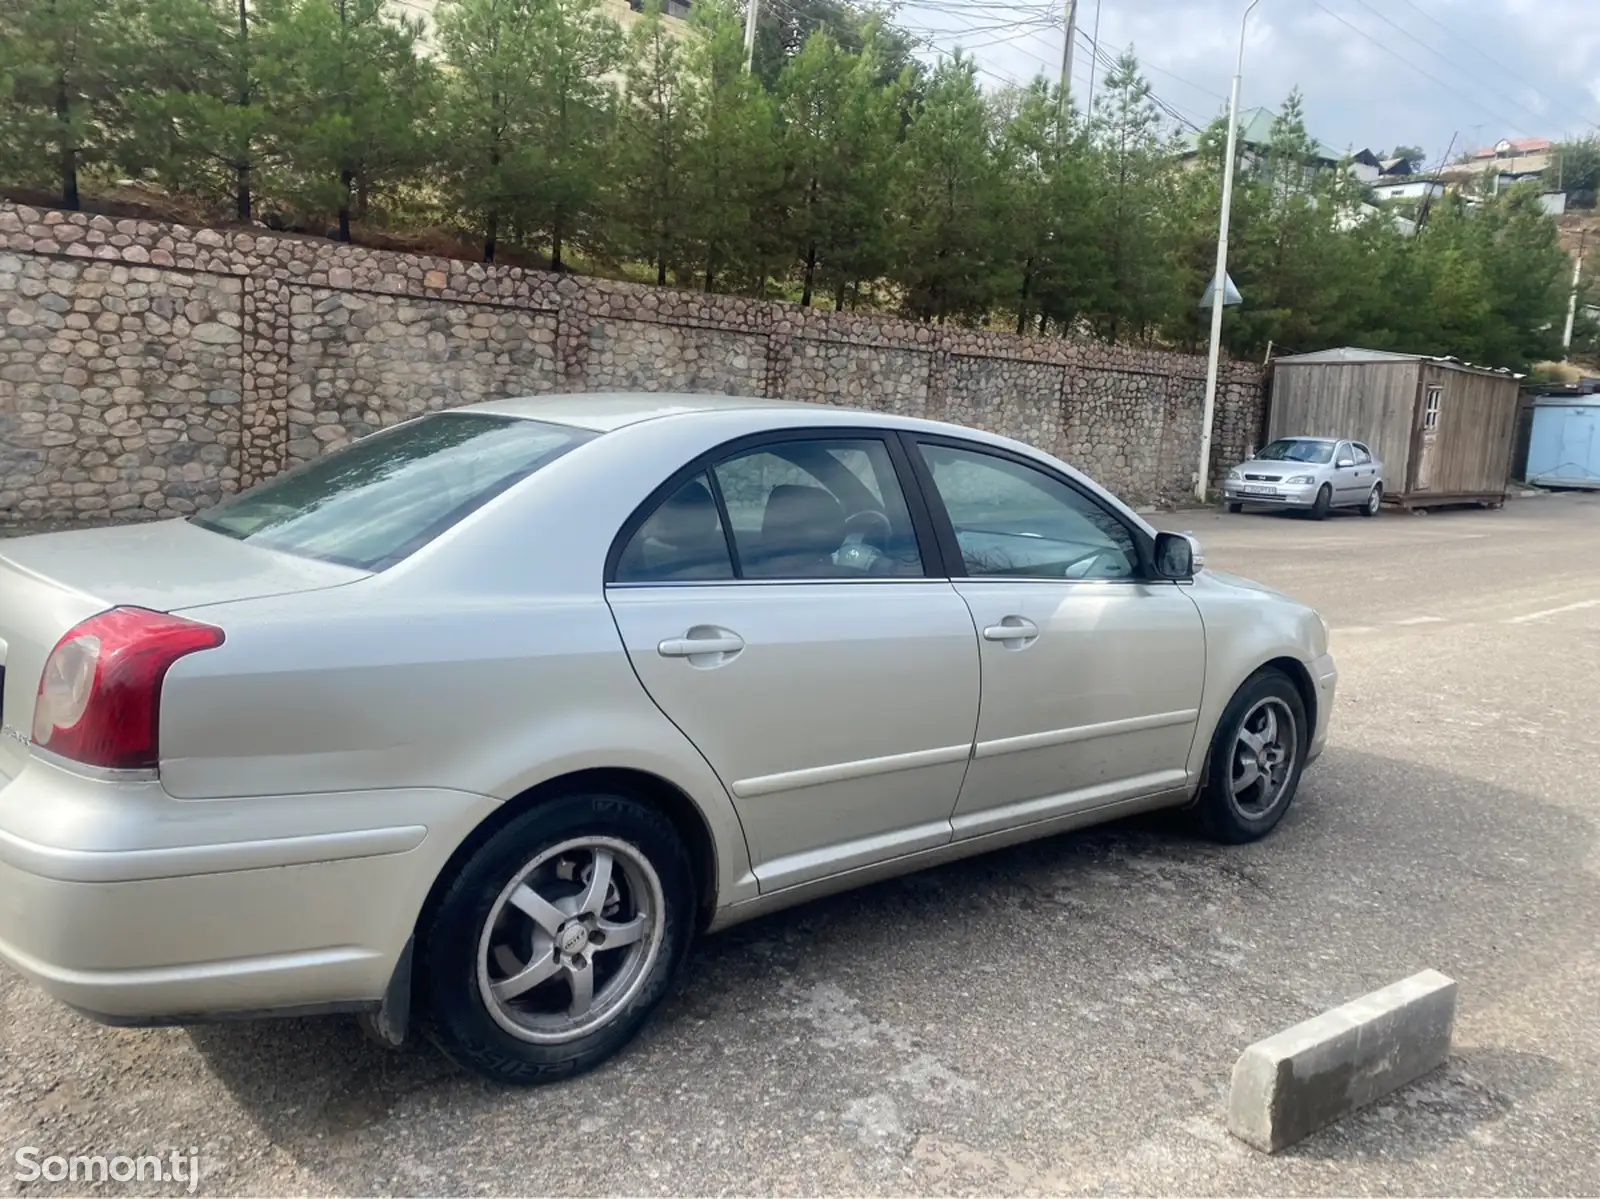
480 719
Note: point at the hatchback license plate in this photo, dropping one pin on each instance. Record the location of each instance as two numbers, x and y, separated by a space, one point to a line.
1259 490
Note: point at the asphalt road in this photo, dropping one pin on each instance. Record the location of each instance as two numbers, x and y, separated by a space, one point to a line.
1061 1017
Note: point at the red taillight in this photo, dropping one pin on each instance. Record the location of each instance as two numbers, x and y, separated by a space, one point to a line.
100 695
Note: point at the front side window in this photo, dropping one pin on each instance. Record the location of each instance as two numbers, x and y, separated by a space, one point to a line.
1012 519
382 498
1297 449
818 510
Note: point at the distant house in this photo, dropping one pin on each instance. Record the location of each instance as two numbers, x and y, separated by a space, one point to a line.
1510 161
1255 138
1408 189
1367 167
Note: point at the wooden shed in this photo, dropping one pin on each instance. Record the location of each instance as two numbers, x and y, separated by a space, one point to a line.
1442 429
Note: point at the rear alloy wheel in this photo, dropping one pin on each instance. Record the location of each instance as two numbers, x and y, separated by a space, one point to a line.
1324 504
1374 502
1257 755
556 939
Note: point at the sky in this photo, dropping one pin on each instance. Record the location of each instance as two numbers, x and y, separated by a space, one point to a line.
1374 73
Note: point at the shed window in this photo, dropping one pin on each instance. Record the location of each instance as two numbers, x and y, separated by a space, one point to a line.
1430 408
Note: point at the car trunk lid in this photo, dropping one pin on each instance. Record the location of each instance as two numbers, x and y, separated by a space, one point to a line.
52 581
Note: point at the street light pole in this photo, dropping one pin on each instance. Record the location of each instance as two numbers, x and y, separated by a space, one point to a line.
1219 280
750 17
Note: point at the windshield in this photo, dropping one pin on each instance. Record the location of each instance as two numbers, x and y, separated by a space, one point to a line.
379 499
1297 449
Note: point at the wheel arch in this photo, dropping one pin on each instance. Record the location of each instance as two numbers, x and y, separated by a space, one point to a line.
641 785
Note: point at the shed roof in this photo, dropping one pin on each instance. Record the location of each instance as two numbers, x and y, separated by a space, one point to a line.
1357 354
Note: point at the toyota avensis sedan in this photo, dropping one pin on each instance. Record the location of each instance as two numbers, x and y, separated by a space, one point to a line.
1317 474
474 723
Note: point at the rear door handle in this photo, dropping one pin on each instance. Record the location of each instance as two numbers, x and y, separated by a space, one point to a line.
723 642
1012 629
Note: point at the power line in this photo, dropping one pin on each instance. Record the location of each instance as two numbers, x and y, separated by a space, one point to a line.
1447 61
1401 58
1492 61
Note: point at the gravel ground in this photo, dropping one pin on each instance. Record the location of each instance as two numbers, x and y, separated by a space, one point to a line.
1059 1017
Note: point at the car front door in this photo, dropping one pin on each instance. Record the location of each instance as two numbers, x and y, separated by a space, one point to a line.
1347 483
1091 672
774 602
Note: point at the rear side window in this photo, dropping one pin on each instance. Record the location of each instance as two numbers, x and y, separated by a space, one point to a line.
382 498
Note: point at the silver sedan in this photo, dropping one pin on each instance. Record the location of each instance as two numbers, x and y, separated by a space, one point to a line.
1314 474
473 724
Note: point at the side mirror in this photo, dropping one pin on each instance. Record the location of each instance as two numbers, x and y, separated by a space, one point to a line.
1345 463
1175 556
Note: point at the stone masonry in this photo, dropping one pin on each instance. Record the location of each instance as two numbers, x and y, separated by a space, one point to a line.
147 369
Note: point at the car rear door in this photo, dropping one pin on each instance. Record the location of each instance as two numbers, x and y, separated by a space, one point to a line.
1092 675
776 601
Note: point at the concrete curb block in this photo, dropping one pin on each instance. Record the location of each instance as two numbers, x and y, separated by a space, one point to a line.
1308 1076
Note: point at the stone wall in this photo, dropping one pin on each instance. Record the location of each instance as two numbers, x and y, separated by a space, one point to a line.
147 369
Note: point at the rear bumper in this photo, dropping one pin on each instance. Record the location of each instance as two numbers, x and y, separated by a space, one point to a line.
164 928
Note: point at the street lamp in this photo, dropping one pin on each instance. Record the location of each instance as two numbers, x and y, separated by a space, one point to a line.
1219 279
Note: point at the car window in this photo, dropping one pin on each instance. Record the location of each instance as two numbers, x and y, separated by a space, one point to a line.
1363 455
820 509
681 540
377 500
1012 519
1297 449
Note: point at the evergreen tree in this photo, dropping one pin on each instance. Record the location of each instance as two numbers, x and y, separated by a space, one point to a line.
948 200
207 124
353 103
652 146
734 207
1136 166
575 48
66 67
489 105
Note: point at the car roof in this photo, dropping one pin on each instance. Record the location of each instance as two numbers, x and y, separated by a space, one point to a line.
602 412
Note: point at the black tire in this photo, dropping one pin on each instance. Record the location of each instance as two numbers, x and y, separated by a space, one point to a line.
1324 504
453 1011
1374 503
1216 812
1235 509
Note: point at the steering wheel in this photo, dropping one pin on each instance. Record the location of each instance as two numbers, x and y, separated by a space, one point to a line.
873 526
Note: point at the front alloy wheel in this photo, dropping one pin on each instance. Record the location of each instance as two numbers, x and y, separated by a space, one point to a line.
1257 753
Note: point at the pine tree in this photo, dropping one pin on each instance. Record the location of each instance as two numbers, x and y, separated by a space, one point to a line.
1050 210
207 122
652 145
734 177
351 113
1136 164
575 49
67 66
489 106
948 200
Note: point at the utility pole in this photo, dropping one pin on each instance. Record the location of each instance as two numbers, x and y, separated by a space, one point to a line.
1066 58
1219 281
1572 300
750 35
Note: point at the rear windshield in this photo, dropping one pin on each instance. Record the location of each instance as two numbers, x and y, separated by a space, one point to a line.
1297 449
379 499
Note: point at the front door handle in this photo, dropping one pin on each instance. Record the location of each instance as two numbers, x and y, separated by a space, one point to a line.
710 642
1012 630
